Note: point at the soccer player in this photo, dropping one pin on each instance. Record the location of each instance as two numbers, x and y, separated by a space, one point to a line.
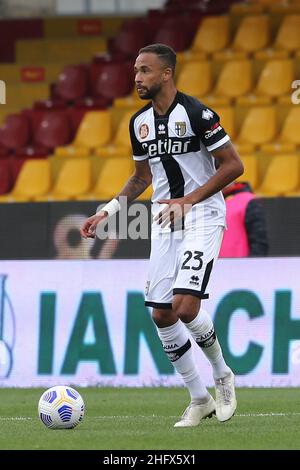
181 148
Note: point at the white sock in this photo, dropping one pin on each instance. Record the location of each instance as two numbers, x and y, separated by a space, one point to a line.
203 332
177 346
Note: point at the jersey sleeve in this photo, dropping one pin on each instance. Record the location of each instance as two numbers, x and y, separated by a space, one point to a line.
138 152
211 131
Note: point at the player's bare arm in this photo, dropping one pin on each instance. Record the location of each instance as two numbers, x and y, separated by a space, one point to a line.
138 182
229 167
135 186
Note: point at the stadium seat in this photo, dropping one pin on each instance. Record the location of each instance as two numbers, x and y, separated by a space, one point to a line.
128 41
259 127
274 81
250 170
33 181
94 131
72 83
227 119
130 101
15 132
113 175
74 179
234 80
5 175
275 78
288 37
281 177
195 78
253 34
212 35
52 129
177 38
289 138
16 166
111 79
121 145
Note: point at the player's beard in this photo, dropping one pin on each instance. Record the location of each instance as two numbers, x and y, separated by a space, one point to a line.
150 93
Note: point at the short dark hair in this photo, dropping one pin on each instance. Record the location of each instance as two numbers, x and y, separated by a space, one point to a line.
165 53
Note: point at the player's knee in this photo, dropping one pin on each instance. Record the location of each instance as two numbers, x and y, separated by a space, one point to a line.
163 317
185 307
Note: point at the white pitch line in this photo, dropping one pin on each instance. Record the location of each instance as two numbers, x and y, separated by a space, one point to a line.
242 415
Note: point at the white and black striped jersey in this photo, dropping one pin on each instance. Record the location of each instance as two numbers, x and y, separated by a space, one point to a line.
178 146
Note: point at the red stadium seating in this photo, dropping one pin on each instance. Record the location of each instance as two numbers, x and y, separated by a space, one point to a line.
51 104
73 83
4 152
5 175
16 165
178 39
128 42
53 130
15 132
49 130
111 79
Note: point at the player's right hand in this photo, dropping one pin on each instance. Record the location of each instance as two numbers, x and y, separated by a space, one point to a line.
88 229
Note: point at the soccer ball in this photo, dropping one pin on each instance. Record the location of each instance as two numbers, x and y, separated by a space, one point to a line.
61 407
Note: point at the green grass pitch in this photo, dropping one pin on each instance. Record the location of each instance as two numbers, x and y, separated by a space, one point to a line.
143 418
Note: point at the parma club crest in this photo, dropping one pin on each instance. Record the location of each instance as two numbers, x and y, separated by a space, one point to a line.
180 128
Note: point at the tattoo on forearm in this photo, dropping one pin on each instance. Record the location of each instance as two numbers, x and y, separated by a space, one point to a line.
133 188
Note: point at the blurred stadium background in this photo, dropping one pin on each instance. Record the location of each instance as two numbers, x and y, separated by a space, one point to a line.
68 314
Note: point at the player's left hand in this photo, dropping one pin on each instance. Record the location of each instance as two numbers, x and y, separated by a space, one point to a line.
173 211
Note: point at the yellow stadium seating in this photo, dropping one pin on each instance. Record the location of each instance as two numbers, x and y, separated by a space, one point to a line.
94 131
253 33
112 177
250 170
271 54
120 145
131 101
275 78
74 179
235 79
259 127
195 78
274 81
281 177
289 137
212 35
227 119
288 36
34 180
